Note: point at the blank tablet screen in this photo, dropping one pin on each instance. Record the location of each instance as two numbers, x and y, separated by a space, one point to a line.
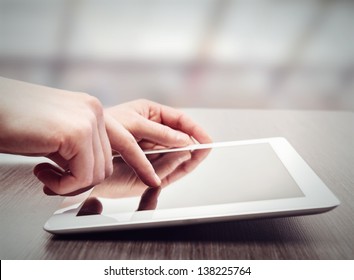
202 177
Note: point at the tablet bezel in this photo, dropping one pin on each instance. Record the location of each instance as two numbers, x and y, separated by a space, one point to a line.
65 221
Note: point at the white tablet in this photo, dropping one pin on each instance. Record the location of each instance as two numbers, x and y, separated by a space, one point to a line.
200 183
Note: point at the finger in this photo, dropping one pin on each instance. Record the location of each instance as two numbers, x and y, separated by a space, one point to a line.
48 191
79 191
160 134
81 171
146 145
59 160
99 158
45 165
180 121
53 171
106 146
123 142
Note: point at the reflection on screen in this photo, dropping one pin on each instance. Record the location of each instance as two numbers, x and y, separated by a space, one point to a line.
196 178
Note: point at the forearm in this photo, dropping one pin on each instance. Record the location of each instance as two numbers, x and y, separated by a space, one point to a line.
25 113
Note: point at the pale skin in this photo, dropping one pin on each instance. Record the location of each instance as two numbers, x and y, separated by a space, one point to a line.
78 134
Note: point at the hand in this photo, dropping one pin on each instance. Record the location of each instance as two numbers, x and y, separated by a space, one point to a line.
144 124
66 127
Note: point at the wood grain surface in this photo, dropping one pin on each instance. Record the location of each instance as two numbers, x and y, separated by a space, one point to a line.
324 139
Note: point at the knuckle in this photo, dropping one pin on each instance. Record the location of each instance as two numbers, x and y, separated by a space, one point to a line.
91 103
99 177
69 142
83 131
94 104
86 181
181 119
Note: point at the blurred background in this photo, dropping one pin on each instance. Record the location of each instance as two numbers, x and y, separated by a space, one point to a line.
275 54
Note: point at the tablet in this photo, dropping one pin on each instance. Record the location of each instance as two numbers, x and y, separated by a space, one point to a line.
200 183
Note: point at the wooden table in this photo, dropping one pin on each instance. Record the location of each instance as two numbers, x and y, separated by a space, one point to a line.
324 139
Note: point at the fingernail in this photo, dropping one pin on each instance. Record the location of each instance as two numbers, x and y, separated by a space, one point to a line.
157 180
